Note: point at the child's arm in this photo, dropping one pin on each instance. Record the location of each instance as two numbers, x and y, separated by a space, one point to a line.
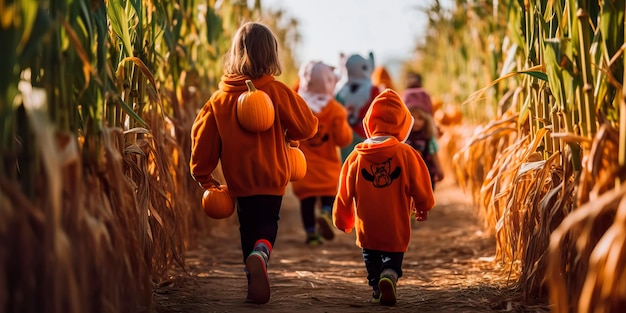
434 152
297 117
205 147
439 173
342 132
421 190
343 208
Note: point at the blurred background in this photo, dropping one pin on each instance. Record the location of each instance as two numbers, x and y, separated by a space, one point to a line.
97 99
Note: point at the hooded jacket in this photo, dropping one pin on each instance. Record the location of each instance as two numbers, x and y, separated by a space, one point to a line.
418 98
322 155
252 163
381 178
317 82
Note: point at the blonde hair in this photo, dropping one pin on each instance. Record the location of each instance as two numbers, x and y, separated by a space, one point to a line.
254 52
430 128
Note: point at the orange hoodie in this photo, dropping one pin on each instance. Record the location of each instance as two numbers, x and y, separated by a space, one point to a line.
380 178
323 159
252 163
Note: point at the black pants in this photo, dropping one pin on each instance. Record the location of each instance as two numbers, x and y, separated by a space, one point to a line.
377 261
307 210
258 219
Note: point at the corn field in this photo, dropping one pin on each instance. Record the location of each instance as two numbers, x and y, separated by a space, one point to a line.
96 104
97 100
545 165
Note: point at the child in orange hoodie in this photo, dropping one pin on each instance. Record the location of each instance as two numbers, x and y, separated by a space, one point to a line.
317 83
378 182
255 165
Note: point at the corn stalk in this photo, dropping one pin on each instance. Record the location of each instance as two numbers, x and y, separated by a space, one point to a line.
562 67
96 103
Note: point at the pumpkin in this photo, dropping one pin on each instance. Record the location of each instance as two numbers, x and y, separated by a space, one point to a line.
217 202
255 110
449 116
454 115
297 161
437 103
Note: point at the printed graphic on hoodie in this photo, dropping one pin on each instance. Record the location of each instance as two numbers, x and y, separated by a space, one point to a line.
381 175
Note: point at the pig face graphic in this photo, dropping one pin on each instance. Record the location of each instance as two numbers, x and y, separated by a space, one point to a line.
380 174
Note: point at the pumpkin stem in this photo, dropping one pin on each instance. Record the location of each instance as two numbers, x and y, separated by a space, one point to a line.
250 85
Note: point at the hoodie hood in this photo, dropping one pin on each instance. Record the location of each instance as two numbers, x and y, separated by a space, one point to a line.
418 98
388 116
237 83
317 78
317 84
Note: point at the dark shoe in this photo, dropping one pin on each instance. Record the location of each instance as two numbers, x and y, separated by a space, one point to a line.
259 284
325 225
387 286
375 297
313 239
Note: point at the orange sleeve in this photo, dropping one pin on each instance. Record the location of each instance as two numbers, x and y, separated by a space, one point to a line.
342 132
421 190
205 145
297 118
343 208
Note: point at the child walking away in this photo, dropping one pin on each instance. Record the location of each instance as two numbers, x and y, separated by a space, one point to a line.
254 164
379 181
355 92
423 136
317 83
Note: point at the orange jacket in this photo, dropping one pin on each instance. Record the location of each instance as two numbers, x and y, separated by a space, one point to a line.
252 163
323 159
380 178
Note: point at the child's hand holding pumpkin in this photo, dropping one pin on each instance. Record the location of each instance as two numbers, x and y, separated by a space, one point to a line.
211 182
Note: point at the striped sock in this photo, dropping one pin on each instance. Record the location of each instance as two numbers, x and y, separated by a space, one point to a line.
264 246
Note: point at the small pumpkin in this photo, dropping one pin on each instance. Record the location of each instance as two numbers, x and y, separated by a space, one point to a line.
449 116
217 202
455 115
297 161
255 110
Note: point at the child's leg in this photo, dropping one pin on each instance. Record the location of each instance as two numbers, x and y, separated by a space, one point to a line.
391 270
327 204
258 227
325 219
373 265
307 212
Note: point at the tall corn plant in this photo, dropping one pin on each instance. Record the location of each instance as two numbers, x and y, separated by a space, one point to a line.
561 74
96 103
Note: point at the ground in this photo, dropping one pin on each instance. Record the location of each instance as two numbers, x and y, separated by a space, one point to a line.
449 267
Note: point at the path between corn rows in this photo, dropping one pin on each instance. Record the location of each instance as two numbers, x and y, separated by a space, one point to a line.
449 268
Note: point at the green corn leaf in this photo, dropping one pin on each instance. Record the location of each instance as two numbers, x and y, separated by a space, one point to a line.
132 113
552 53
119 24
539 75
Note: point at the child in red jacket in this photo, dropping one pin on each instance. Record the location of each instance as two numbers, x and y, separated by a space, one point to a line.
317 83
379 181
254 164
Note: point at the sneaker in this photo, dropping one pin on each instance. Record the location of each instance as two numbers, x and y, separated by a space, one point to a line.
313 239
325 225
375 297
387 286
259 284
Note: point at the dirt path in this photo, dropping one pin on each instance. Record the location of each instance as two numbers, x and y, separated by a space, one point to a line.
448 268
